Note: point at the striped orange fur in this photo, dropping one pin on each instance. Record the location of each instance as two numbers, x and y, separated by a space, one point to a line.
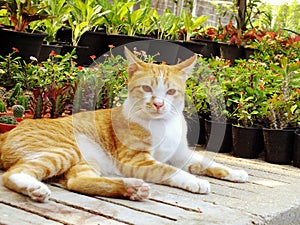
114 152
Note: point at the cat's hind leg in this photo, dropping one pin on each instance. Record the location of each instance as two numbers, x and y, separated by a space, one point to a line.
81 178
27 185
26 175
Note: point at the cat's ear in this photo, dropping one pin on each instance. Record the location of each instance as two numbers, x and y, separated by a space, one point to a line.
187 66
134 62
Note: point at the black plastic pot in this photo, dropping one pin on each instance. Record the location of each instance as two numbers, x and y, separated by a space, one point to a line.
169 52
247 142
249 52
97 43
296 158
196 47
231 52
218 136
279 145
64 35
211 48
193 129
81 52
47 49
120 39
28 44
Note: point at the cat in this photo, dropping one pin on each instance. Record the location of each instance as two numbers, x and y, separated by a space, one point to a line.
114 152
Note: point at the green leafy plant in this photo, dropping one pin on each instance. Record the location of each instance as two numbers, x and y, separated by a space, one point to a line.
13 95
8 120
190 24
167 25
22 12
10 65
60 12
206 90
2 106
244 90
85 16
114 20
59 96
135 21
282 108
60 68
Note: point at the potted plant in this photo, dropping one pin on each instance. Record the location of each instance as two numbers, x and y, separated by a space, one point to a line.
282 111
246 135
124 25
189 26
7 123
296 156
2 108
231 43
197 104
244 97
21 14
51 26
18 112
85 17
217 130
10 65
50 83
167 26
208 35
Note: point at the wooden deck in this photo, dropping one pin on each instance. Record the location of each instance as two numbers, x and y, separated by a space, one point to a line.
272 196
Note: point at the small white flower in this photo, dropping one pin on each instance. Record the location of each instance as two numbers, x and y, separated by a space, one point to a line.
32 58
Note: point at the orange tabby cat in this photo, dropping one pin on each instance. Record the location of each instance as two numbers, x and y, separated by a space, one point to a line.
112 152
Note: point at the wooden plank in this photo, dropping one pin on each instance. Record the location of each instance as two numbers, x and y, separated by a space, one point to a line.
12 216
132 212
130 215
52 210
253 164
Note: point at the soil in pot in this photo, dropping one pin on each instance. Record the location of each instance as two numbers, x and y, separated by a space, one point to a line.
247 142
296 158
279 145
218 136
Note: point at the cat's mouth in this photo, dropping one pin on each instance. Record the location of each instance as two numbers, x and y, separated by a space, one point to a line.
157 113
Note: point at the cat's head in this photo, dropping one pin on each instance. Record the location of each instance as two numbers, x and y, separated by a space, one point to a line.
156 91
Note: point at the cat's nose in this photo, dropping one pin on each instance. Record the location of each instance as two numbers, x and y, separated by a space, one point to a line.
158 103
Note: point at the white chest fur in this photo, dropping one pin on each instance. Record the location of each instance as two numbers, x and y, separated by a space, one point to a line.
167 136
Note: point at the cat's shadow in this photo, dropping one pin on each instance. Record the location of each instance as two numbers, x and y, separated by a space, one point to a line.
164 51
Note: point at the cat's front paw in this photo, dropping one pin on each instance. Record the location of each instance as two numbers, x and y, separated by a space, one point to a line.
136 189
38 192
198 186
240 176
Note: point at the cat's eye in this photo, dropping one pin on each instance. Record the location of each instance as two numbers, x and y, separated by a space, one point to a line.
171 92
147 88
